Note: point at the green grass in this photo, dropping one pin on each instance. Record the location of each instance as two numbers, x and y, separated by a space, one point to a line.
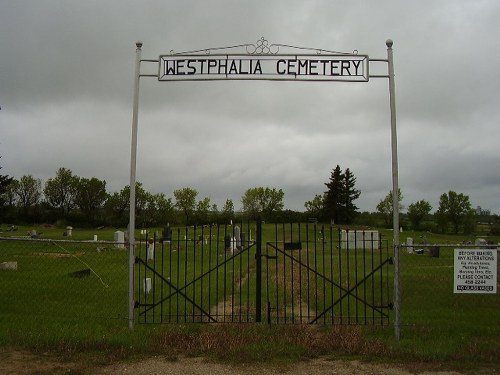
43 309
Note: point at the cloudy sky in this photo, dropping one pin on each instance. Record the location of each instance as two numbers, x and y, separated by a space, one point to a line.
66 97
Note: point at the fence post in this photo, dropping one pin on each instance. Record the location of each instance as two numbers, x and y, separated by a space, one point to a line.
258 271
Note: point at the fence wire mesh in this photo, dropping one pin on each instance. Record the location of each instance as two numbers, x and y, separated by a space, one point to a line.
429 299
62 279
59 279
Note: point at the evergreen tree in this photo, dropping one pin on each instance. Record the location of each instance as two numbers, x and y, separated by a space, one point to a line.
333 196
350 195
339 198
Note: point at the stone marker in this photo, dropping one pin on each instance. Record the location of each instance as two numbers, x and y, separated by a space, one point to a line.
237 236
409 245
119 239
147 285
150 251
167 234
8 266
80 274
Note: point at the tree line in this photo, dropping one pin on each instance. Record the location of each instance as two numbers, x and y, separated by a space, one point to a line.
86 202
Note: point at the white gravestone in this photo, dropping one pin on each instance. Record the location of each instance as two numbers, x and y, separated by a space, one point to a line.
150 251
120 239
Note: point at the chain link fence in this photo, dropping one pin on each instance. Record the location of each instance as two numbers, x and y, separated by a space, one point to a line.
57 279
430 298
62 279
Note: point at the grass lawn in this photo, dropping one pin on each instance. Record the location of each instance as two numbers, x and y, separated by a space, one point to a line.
44 308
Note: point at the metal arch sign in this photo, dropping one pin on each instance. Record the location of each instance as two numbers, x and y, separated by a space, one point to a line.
277 67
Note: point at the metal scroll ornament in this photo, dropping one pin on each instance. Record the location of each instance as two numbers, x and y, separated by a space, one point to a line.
262 47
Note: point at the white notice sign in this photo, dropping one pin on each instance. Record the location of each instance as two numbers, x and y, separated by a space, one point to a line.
475 271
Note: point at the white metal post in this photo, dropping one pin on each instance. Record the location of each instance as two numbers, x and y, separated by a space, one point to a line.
133 163
395 191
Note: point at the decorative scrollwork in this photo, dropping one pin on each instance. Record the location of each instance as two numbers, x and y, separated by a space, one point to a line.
262 47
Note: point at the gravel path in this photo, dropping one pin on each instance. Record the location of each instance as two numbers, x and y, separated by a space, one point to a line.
197 366
21 363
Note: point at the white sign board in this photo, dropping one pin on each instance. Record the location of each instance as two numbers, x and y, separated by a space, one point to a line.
475 271
319 67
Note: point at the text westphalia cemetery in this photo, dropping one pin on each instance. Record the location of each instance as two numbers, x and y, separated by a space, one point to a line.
353 68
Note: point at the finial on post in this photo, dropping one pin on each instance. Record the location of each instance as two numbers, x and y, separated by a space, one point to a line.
138 44
389 43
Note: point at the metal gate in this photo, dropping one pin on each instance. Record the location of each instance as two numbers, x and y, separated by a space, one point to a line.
321 274
197 274
252 272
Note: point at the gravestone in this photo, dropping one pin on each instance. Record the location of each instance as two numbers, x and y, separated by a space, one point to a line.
8 266
167 234
147 285
368 239
150 251
80 274
242 239
120 239
409 245
237 236
481 242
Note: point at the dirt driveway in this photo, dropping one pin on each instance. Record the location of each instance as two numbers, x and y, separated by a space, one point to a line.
22 363
197 366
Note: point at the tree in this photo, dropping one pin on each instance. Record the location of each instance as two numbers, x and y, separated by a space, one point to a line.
60 191
227 212
350 194
338 203
385 207
185 200
333 196
90 197
456 209
314 207
203 210
262 201
164 209
28 193
117 205
5 181
144 205
417 212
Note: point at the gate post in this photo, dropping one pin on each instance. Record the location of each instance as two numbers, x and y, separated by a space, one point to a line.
395 191
258 271
133 158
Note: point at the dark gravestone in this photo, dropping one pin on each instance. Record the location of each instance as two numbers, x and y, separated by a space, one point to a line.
80 274
167 234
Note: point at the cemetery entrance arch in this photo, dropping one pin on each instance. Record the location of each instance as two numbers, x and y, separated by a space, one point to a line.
270 62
